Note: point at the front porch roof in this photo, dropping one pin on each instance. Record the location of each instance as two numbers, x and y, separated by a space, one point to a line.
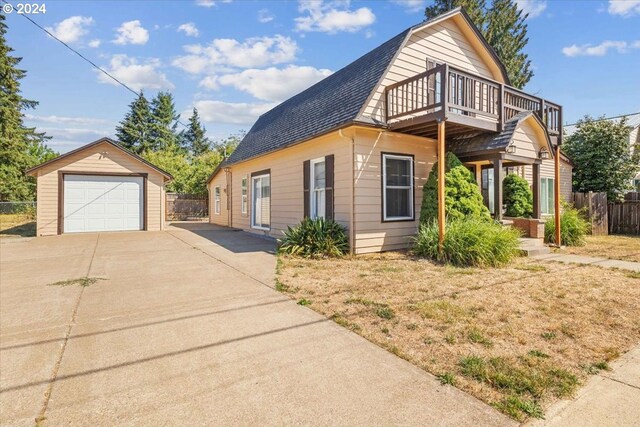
491 145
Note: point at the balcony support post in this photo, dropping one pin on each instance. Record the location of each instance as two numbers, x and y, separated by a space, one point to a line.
556 191
441 183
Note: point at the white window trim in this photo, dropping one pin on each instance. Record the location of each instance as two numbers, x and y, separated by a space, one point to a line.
312 190
253 202
244 193
403 187
217 200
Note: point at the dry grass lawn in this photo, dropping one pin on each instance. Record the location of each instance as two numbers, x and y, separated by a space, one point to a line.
17 225
517 338
626 248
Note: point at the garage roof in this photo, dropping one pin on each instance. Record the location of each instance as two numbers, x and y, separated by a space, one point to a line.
93 144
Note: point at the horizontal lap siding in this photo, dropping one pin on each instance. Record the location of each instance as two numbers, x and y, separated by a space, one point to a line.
442 42
373 235
286 166
102 158
222 218
547 170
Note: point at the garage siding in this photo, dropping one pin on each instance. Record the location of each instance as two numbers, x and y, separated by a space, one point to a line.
101 158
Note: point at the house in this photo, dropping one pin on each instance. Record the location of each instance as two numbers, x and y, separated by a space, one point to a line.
633 121
100 186
359 145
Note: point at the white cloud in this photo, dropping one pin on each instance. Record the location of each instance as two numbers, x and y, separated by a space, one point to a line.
624 7
73 121
332 17
532 7
265 16
136 75
253 52
95 43
209 3
238 113
273 84
411 5
189 29
601 49
131 32
67 139
71 29
210 82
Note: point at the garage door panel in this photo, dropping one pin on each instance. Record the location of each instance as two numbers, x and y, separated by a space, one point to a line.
102 203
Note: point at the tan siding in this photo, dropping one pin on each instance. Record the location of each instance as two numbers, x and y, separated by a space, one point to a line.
547 170
527 140
101 158
286 183
373 235
221 218
441 42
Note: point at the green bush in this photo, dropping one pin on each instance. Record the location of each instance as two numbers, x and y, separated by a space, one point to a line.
517 196
472 241
462 195
315 238
573 227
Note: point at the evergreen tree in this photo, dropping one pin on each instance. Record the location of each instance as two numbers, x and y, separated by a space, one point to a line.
503 26
20 147
506 31
195 138
133 132
164 121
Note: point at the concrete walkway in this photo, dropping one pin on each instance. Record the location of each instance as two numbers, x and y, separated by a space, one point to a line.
185 329
611 398
587 260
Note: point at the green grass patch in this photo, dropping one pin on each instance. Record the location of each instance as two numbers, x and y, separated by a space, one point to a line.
476 336
304 301
517 408
385 312
447 378
595 368
634 274
538 353
442 310
82 282
549 335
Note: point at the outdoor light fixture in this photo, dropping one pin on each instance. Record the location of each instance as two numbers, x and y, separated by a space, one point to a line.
511 149
544 154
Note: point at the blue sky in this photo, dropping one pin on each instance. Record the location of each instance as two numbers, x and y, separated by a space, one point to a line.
236 59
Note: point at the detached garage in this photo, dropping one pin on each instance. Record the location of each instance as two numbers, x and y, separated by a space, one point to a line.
99 187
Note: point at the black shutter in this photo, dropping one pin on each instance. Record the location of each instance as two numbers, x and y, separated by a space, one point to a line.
306 176
328 168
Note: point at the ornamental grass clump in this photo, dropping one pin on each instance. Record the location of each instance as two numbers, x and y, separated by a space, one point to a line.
469 242
573 227
315 238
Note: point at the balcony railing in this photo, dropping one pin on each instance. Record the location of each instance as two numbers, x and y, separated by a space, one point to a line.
467 94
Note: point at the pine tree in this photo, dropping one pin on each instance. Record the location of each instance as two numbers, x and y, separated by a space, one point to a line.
20 147
163 123
476 9
506 32
503 26
133 132
195 138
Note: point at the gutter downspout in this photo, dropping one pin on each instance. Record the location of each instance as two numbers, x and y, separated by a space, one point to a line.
352 213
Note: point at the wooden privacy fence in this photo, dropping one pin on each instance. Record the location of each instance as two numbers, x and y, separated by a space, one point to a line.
185 207
595 208
624 216
621 217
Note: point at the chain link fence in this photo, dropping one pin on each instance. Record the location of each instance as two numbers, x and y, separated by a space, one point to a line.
22 209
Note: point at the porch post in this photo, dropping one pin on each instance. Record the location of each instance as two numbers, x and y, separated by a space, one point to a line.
497 188
556 199
441 183
537 212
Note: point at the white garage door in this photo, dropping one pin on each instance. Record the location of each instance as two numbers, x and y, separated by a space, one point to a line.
102 203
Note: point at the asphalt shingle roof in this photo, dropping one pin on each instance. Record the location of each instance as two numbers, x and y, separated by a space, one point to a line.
328 104
488 142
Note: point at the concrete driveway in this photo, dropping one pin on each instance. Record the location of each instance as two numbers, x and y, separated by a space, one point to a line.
186 329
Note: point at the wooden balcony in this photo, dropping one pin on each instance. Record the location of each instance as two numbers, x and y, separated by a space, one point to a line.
472 104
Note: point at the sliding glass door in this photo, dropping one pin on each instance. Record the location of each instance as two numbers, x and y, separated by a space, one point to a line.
261 202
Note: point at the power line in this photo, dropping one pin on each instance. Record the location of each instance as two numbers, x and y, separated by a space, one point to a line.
93 64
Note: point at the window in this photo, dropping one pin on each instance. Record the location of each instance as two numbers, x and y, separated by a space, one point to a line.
244 196
636 184
397 187
261 201
318 188
547 199
216 200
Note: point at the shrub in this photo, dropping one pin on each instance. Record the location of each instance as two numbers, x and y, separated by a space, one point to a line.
315 238
573 227
469 242
462 195
517 196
